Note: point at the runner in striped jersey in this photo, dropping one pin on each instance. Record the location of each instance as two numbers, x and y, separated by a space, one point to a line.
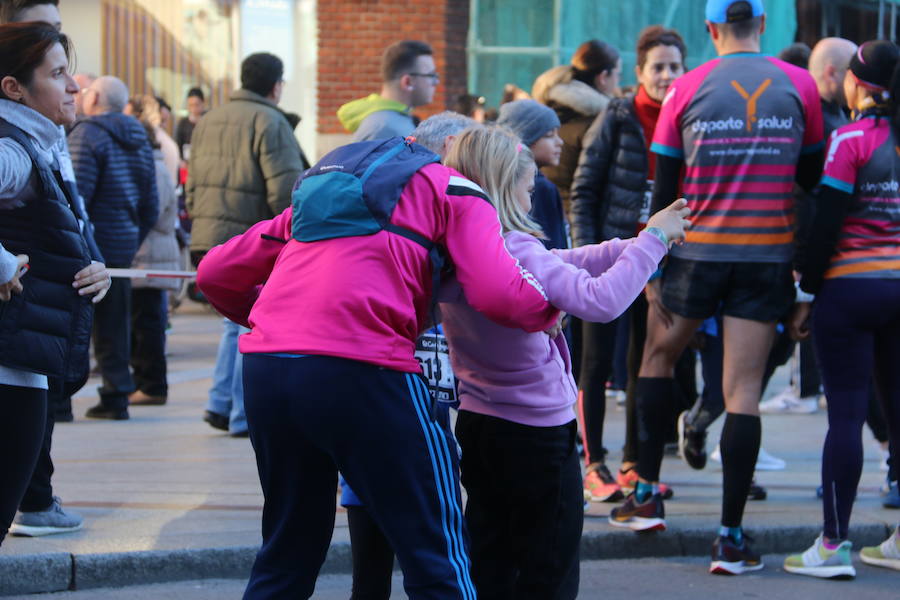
851 261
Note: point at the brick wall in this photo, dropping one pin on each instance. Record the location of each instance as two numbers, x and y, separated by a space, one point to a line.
353 33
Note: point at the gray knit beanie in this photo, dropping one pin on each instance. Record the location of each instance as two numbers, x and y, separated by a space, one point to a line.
528 119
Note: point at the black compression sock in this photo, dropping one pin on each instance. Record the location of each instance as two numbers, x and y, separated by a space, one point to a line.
654 397
739 446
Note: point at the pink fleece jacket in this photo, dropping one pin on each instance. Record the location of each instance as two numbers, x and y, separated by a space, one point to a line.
526 377
366 298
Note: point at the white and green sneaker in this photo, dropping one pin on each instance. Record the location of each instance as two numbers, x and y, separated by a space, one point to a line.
886 554
819 561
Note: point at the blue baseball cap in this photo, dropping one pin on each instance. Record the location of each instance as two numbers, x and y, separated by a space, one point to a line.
731 11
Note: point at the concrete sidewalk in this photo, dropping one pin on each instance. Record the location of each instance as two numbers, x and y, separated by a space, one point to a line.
167 498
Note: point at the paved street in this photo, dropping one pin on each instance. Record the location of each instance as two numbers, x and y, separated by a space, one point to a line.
673 579
167 498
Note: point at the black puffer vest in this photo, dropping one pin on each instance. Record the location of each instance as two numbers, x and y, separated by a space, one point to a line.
47 328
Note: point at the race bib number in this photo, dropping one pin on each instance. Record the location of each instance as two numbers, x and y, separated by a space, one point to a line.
433 355
645 203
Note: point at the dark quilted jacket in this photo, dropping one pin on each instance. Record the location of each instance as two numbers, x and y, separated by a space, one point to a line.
114 170
45 329
611 178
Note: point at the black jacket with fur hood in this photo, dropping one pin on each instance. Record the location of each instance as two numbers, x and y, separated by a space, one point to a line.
576 104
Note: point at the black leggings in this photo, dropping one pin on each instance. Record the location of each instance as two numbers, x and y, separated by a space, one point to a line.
598 345
21 436
781 353
525 509
39 493
373 557
856 328
149 313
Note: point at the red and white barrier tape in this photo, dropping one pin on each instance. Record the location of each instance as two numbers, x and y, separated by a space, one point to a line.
151 274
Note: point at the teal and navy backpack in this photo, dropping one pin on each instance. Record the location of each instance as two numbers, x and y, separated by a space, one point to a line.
354 190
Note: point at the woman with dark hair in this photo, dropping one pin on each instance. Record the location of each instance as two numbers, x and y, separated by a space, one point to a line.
578 92
196 108
850 260
44 329
611 199
159 250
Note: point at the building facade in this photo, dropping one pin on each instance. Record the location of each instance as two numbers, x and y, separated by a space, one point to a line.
332 49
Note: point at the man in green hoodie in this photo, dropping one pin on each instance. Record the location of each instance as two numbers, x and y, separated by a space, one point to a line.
410 79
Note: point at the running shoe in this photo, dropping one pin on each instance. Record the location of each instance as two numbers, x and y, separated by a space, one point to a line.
892 498
764 460
731 558
767 462
885 455
617 395
600 484
788 403
53 519
644 516
691 443
819 561
628 478
756 492
886 554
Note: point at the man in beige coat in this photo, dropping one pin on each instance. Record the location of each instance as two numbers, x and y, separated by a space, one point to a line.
244 162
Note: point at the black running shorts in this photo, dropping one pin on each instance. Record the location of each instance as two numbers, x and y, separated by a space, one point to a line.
747 290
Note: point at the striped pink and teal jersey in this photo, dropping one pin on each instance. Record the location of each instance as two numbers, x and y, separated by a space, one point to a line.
740 123
864 160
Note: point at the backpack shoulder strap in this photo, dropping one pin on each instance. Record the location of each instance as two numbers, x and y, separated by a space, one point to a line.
399 164
385 178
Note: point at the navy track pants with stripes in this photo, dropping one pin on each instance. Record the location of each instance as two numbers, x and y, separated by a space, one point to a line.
310 417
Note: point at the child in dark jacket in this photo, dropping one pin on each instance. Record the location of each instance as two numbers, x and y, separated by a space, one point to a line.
538 127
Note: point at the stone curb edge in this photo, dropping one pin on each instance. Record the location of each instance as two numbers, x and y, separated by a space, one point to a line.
54 572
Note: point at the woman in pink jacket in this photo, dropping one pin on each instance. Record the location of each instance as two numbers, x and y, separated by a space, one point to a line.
331 382
516 423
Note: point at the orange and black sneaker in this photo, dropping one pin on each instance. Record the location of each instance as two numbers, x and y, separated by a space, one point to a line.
600 484
649 515
628 478
731 558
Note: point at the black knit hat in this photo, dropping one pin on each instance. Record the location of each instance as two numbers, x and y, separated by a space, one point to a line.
874 63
